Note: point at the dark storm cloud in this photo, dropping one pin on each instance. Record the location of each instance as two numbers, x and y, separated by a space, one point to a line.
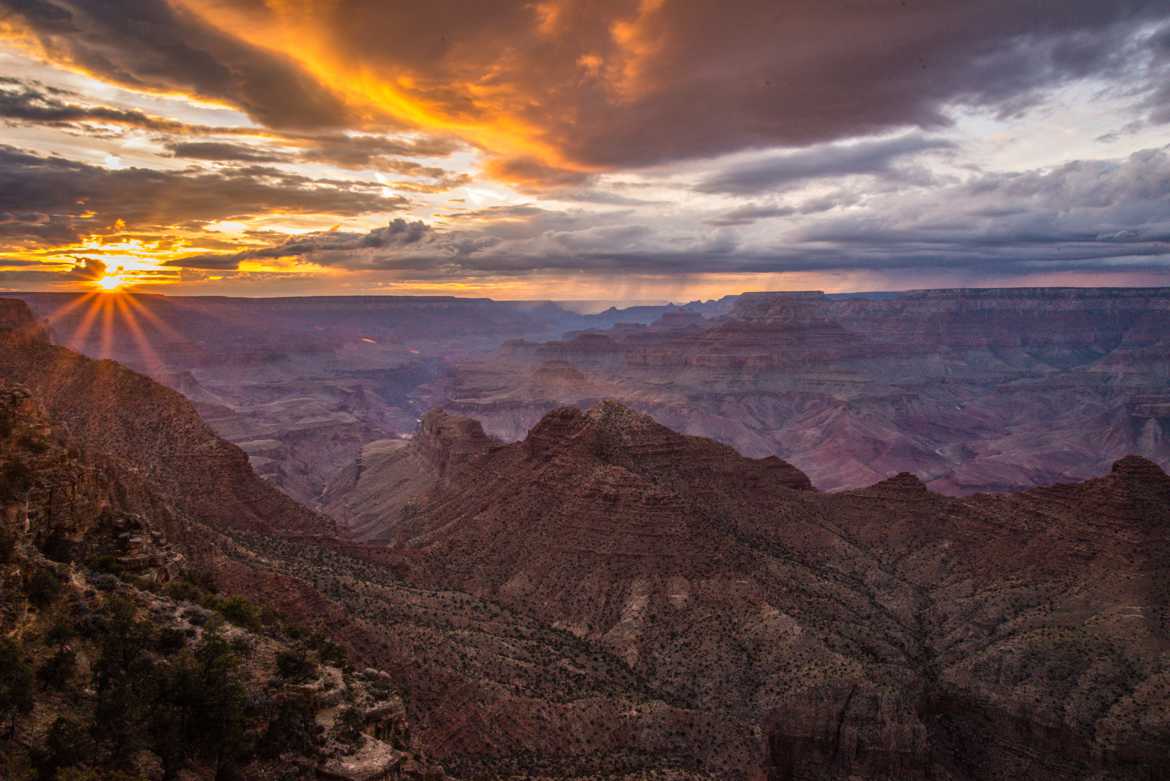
153 44
428 179
54 198
221 151
620 83
29 102
1084 216
399 233
777 172
1158 102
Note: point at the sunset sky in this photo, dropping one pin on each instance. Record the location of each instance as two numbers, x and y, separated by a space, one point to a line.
570 149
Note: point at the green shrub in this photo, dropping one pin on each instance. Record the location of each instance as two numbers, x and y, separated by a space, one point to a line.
106 564
349 726
183 590
59 634
240 612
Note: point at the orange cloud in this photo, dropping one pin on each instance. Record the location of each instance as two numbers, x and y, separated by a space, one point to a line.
482 104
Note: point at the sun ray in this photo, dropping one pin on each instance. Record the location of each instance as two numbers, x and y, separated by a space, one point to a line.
151 360
80 334
108 337
154 319
61 312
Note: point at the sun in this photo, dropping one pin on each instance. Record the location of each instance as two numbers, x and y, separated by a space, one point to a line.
111 283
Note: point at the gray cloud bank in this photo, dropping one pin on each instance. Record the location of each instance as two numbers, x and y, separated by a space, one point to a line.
1084 216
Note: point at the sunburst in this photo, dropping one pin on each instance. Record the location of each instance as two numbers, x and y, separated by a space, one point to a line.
111 283
113 308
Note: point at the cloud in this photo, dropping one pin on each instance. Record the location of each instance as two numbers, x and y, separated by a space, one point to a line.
35 103
54 199
1084 216
370 151
397 234
776 172
221 151
610 84
88 269
156 45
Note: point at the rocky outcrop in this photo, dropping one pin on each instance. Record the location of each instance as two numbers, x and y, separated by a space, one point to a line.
887 632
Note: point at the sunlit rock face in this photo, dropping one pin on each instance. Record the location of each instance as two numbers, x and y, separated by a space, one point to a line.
969 389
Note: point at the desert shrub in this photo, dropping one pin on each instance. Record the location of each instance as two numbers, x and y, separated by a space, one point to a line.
33 444
58 669
59 548
59 634
7 544
240 612
106 564
104 581
291 727
295 665
202 579
15 480
170 640
67 745
16 685
43 587
350 723
328 651
183 590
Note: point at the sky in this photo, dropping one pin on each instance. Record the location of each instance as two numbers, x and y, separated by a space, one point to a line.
616 150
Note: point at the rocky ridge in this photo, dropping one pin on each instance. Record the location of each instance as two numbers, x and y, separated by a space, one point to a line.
886 632
973 390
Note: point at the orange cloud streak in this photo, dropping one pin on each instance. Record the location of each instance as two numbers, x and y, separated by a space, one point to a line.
492 120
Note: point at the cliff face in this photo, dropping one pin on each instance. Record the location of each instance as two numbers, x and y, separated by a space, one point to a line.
357 498
887 632
972 390
153 432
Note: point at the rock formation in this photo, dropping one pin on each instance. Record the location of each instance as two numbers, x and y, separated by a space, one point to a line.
886 632
972 390
607 598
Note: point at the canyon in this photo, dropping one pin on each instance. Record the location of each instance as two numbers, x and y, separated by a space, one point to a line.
970 390
606 597
302 384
